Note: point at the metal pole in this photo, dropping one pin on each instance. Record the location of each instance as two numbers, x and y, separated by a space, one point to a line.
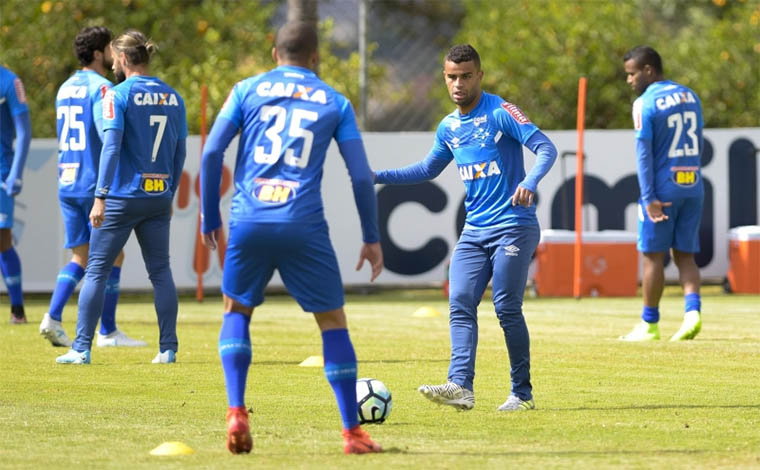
363 64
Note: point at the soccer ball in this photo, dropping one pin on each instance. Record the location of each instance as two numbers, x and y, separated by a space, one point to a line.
374 400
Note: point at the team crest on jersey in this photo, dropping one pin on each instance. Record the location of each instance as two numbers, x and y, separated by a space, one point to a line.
685 176
291 90
155 99
274 191
67 173
478 171
154 183
20 92
108 109
515 112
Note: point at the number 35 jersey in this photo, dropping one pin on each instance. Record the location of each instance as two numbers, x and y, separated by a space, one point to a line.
80 132
288 116
151 116
670 116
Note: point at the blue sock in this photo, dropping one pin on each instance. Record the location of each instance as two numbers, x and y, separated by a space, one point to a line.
340 369
65 284
235 352
650 314
693 302
108 319
10 265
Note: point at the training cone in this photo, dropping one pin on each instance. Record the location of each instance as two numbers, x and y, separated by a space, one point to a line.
172 448
426 312
313 361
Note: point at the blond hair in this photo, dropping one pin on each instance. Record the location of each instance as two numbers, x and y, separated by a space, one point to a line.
135 46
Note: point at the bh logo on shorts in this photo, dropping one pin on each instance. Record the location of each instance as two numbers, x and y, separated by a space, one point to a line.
274 191
154 183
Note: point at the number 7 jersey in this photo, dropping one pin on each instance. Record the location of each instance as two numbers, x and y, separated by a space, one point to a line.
670 116
288 116
152 117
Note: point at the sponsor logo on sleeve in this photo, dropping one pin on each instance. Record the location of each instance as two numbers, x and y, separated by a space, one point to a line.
516 113
20 92
637 110
103 90
108 106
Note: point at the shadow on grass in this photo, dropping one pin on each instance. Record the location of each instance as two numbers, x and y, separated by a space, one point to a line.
559 453
380 361
651 407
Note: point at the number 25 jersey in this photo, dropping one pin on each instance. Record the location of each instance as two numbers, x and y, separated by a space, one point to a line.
288 116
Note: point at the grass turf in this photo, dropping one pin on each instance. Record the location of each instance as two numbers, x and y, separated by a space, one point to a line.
600 403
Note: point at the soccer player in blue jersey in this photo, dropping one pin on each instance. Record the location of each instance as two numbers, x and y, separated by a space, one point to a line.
79 114
143 153
287 118
485 136
668 121
14 124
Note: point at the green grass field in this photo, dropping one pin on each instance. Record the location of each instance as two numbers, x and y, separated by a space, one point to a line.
600 403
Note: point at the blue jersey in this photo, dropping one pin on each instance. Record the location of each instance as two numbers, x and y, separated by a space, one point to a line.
152 117
487 146
669 116
288 117
80 132
12 103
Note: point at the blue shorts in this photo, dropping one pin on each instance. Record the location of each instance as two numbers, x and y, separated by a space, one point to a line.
301 253
76 220
680 231
6 209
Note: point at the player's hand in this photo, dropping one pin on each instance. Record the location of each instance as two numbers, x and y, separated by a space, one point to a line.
655 212
12 185
98 212
523 197
211 240
374 254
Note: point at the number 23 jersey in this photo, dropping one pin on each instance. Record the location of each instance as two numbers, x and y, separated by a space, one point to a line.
670 116
288 116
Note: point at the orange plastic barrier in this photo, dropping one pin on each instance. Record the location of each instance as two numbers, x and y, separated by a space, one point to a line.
610 264
744 259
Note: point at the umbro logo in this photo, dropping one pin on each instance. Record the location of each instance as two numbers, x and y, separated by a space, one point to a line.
511 250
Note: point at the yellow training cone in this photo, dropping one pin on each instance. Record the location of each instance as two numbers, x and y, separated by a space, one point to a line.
426 312
172 448
313 361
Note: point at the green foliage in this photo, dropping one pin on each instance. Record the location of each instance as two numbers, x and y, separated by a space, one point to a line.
200 41
534 51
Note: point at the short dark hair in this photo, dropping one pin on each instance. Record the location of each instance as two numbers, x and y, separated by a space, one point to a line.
296 41
463 53
89 40
644 55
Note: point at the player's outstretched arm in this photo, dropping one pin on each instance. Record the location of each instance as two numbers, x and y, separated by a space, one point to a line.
419 172
374 255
